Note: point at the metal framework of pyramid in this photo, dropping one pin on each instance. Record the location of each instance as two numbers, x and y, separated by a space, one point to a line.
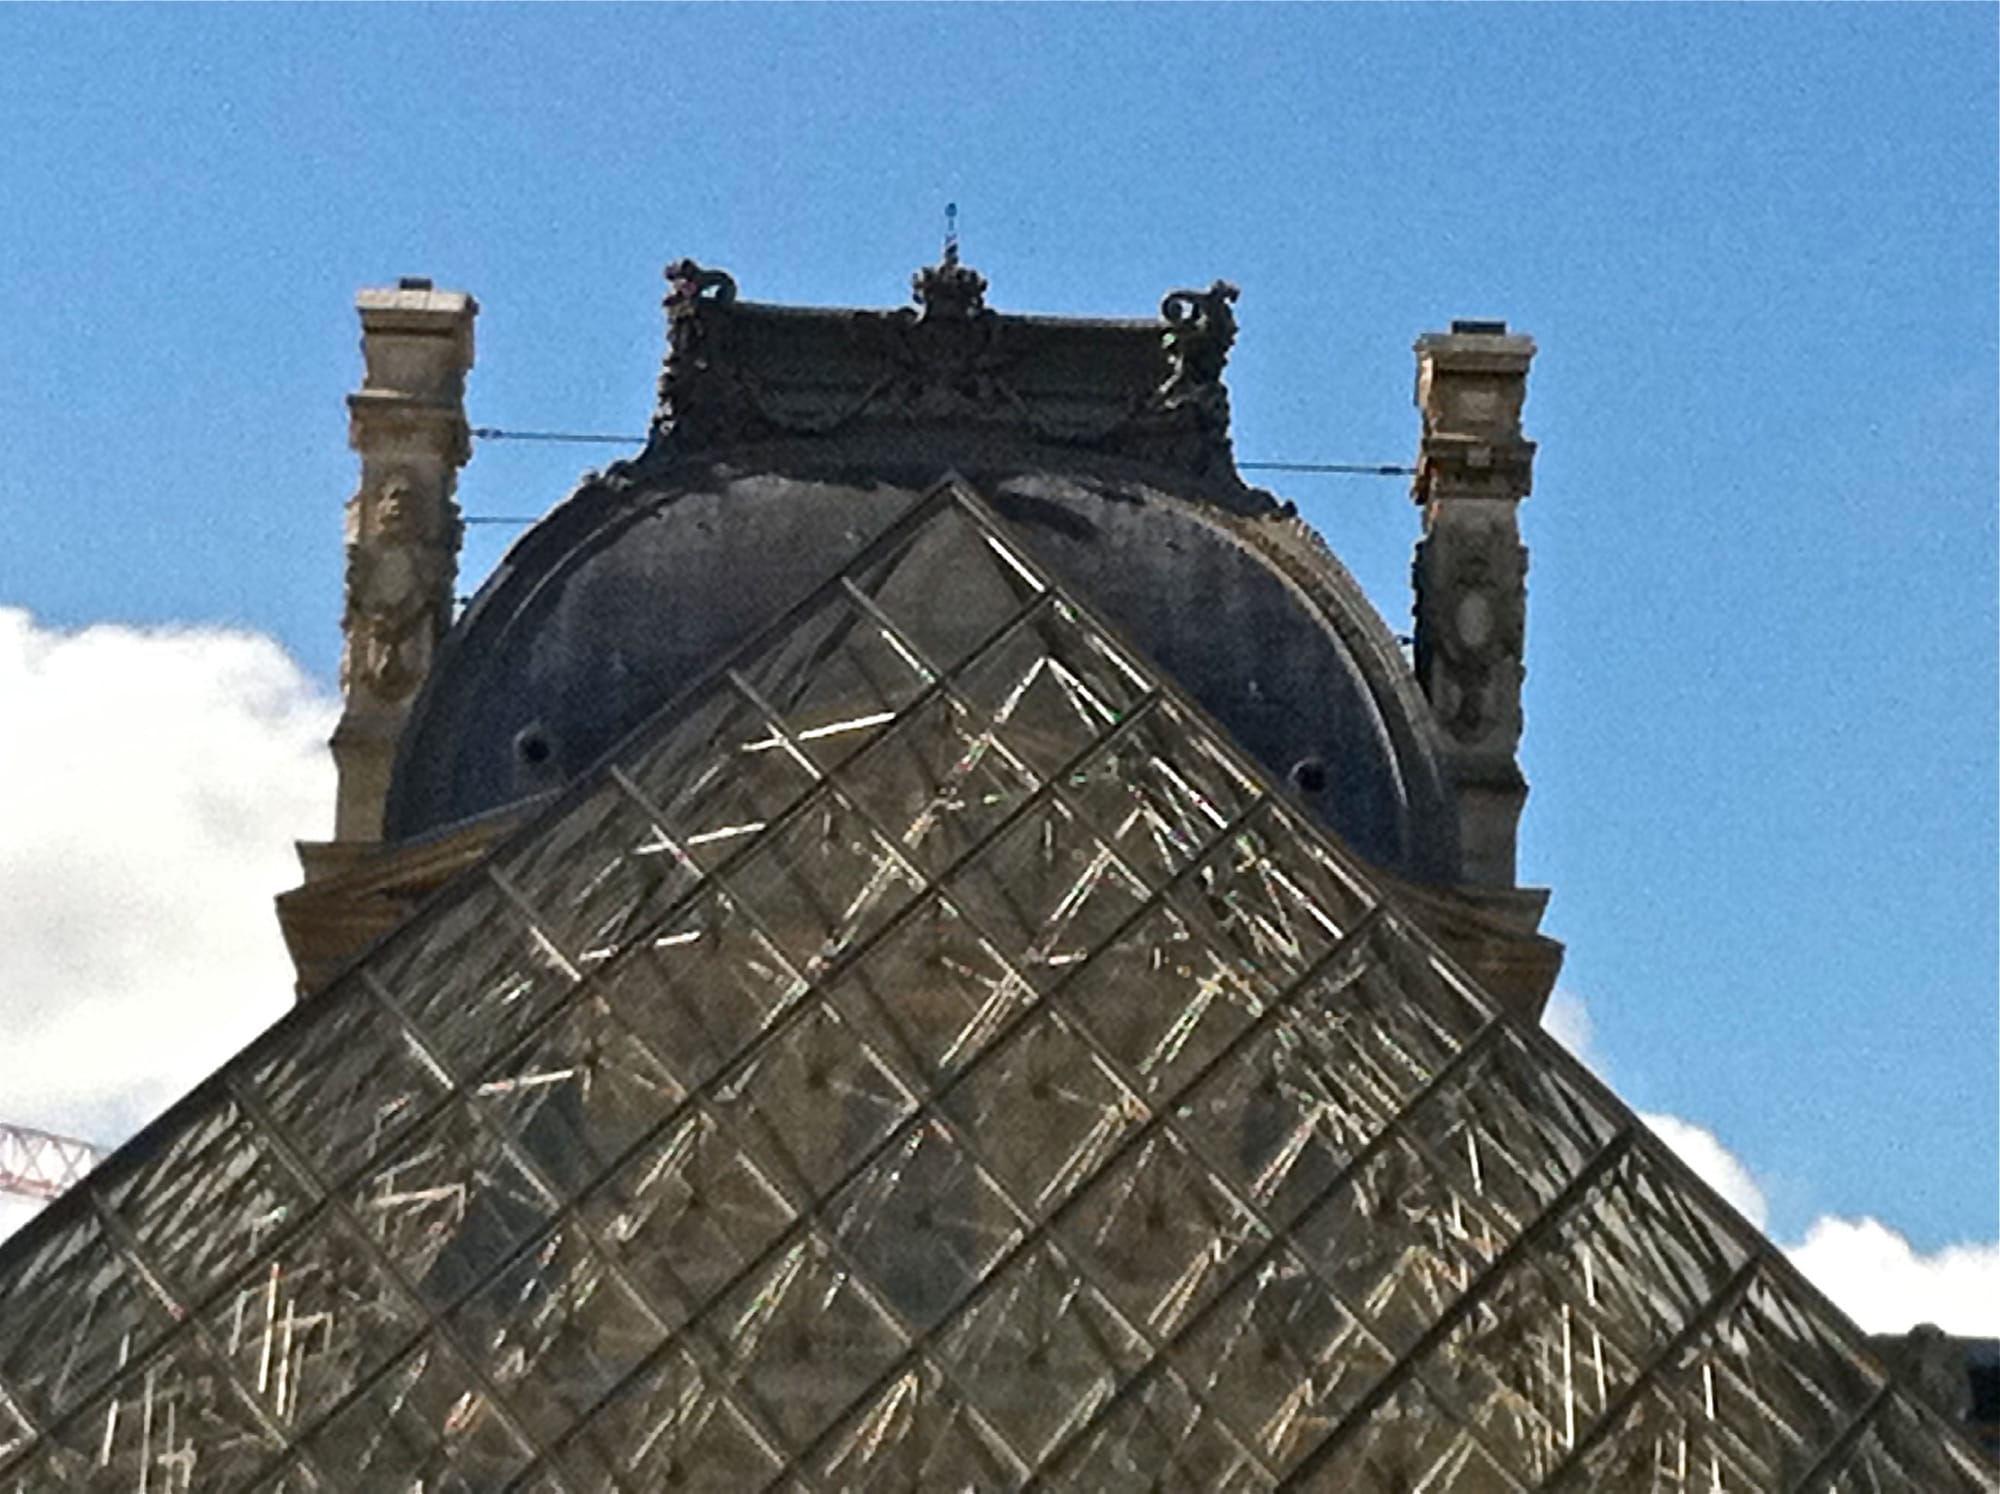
925 1058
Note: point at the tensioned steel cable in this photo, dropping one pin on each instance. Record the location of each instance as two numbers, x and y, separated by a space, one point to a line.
591 438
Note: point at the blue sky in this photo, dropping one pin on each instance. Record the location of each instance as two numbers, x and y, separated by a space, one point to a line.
1757 246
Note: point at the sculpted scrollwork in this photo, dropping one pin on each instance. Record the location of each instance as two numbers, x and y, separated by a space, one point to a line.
695 387
1201 329
400 573
739 374
1471 624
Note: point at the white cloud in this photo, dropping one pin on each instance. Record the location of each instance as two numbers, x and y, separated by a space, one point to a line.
1870 1271
1567 1020
1887 1286
151 785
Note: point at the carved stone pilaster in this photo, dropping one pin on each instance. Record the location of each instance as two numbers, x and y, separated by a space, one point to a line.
1470 576
408 423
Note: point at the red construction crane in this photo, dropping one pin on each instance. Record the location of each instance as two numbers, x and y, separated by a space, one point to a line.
40 1165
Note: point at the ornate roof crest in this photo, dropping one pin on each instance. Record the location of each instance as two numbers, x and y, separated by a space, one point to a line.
948 290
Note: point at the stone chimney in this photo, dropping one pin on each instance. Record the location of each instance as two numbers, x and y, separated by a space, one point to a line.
1470 574
408 423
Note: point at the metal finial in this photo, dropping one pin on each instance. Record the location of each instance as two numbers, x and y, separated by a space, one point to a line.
951 233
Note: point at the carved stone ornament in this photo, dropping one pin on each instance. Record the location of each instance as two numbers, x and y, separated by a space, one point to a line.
399 582
946 355
1471 626
696 341
1201 329
948 290
741 374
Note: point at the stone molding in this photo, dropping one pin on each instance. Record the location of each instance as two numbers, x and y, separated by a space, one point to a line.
403 530
1474 467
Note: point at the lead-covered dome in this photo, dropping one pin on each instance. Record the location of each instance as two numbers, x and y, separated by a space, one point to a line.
789 438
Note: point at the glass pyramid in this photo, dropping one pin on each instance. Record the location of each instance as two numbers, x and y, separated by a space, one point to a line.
925 1058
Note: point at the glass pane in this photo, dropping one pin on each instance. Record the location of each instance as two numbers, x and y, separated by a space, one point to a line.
1405 1444
1043 1113
1046 891
671 1428
1160 794
423 1425
555 1332
1161 1003
687 1216
1251 902
312 1324
1158 1235
584 1092
1395 1244
1527 1372
173 1423
1643 1254
806 1339
206 1201
917 1434
1284 1117
937 783
812 1104
1039 1352
476 981
342 1085
923 1224
599 875
449 1206
702 989
1050 688
821 883
946 588
1160 1436
72 1312
930 994
837 687
737 779
1280 1360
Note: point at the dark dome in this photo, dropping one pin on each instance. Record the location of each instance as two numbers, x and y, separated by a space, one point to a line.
634 588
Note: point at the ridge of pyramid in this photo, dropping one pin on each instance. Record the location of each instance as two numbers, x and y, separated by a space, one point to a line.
925 1055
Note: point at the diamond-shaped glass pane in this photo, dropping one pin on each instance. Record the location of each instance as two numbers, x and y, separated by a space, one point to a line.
687 1215
918 1433
425 1424
72 1311
312 1323
821 883
1159 1234
606 873
923 1224
671 1426
931 994
174 1423
449 1206
806 1339
478 982
1044 1112
207 1201
814 1102
1039 1352
937 782
701 989
1280 1358
1046 891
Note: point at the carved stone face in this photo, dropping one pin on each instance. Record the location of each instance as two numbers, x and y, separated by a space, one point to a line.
394 519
